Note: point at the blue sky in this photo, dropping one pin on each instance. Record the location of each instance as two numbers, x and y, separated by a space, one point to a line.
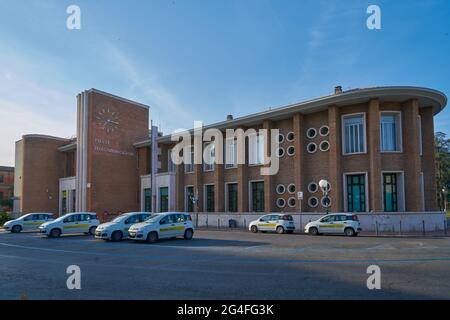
202 59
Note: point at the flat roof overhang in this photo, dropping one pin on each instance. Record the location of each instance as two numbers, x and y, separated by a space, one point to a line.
425 96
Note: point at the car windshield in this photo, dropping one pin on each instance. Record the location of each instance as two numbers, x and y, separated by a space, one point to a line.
152 218
120 218
63 217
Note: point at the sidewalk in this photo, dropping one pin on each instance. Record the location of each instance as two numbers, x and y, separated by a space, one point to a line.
434 234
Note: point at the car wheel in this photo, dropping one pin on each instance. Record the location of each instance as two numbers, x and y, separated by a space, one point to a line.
188 234
152 237
55 233
280 230
16 229
116 236
92 230
313 231
349 232
254 229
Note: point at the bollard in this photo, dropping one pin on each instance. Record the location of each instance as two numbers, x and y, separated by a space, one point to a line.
400 227
245 224
218 223
423 227
376 228
445 226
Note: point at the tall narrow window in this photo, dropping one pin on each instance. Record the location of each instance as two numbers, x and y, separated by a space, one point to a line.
356 193
189 160
231 153
209 156
256 149
170 164
232 196
390 192
148 200
354 134
257 189
74 198
390 132
163 199
209 190
64 202
189 199
419 125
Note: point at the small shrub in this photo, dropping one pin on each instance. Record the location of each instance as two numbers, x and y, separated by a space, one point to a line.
4 217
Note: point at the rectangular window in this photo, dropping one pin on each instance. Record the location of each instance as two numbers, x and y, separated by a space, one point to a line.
1 195
231 153
356 193
189 160
64 202
209 190
390 192
419 124
2 179
354 134
390 132
210 154
148 200
170 165
163 199
73 194
256 149
189 199
232 197
257 189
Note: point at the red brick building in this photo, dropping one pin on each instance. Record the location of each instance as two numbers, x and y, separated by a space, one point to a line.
374 146
6 186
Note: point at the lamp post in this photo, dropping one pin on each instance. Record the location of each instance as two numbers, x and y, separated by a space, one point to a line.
445 195
325 187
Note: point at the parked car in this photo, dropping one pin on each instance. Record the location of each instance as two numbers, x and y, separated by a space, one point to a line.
76 222
118 228
28 222
274 222
163 226
341 223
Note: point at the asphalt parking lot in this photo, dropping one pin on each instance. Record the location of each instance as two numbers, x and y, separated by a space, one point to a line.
225 265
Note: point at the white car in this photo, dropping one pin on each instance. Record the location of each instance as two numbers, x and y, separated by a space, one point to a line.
76 222
339 223
275 222
28 222
163 226
118 228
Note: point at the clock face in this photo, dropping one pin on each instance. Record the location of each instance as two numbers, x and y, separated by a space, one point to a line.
107 120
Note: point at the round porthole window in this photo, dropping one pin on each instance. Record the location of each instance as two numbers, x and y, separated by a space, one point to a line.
326 202
313 187
280 138
311 133
290 151
281 203
280 152
311 147
291 188
324 146
281 189
324 131
313 202
291 202
290 136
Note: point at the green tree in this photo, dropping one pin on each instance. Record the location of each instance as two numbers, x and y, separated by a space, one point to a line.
442 152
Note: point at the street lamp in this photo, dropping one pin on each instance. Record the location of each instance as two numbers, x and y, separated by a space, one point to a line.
445 194
325 187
